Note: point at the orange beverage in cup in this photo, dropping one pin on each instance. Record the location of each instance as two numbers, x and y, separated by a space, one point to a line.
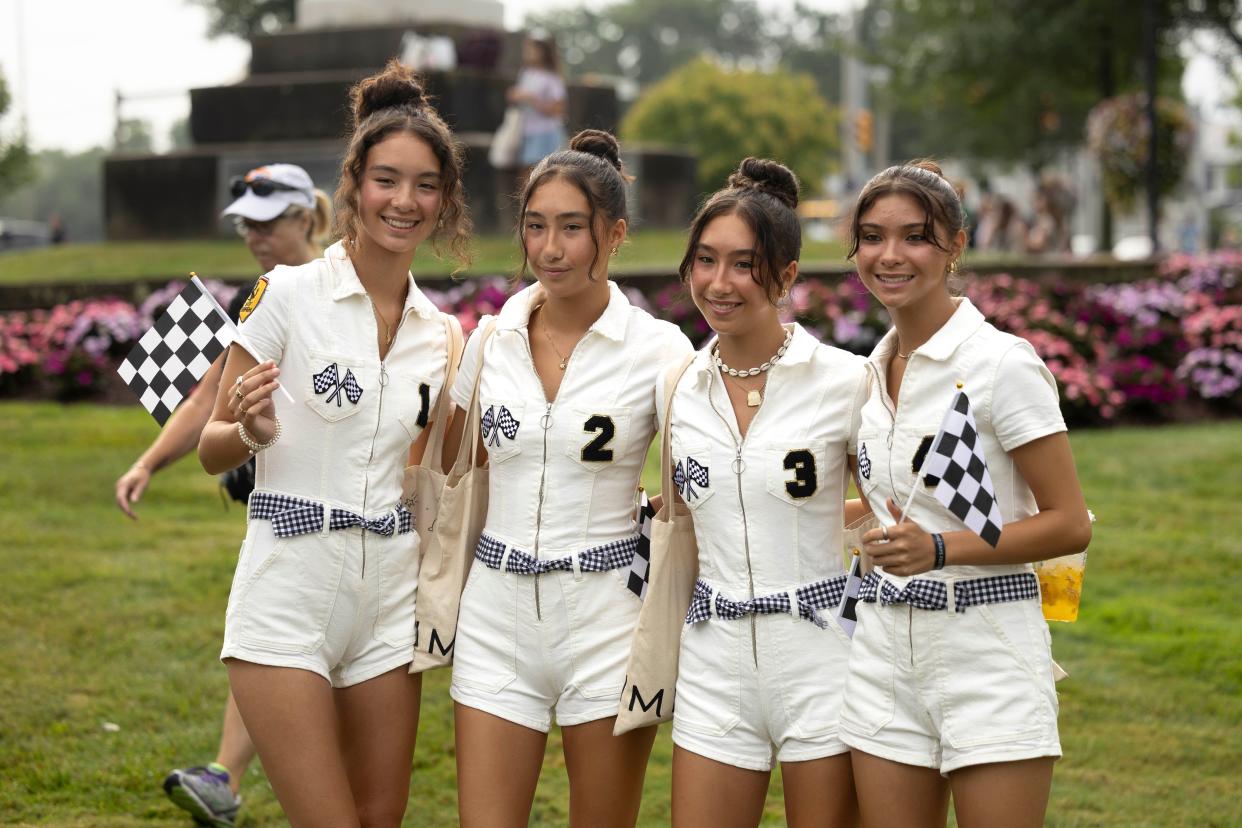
1060 585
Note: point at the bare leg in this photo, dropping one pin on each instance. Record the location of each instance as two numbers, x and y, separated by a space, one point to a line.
291 716
820 792
605 773
1014 794
236 750
924 799
497 769
711 794
378 726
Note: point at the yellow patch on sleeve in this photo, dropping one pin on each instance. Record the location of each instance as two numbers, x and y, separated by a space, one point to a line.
252 301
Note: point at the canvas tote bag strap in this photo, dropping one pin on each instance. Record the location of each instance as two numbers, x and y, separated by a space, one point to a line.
666 450
452 349
467 452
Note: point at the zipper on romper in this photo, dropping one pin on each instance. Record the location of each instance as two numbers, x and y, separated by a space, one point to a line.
738 466
545 423
379 409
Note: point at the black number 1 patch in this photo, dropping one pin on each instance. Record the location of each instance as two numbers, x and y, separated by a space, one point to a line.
424 394
802 463
596 451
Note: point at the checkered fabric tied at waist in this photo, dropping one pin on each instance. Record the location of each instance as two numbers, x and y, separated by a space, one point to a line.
811 597
933 595
297 516
612 555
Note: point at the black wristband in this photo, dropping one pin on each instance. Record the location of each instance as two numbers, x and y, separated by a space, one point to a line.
938 540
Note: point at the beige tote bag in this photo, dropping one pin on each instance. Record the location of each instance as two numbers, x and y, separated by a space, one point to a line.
449 548
651 674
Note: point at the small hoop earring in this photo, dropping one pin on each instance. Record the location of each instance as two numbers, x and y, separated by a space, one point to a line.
614 251
440 224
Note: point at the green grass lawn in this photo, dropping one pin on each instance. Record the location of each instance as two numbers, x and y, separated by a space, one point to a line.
224 258
107 621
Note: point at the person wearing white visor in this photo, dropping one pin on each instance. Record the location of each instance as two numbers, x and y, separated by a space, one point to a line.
279 213
284 221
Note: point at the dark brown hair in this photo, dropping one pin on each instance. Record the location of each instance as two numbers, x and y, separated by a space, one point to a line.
593 165
764 194
391 101
923 181
547 53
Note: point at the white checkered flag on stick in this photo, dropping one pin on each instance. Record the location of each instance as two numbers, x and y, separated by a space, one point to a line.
173 355
964 486
640 569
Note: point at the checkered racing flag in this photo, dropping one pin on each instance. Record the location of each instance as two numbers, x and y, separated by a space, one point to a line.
640 568
847 610
964 487
178 349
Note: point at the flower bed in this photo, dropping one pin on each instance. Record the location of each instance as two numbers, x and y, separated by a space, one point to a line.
1148 350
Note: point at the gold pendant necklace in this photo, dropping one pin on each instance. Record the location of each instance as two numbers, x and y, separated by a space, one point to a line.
564 359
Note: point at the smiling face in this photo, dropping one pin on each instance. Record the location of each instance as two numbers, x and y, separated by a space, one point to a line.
557 235
400 194
897 261
722 283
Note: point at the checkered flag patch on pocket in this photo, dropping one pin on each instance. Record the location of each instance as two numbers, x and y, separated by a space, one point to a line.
640 569
176 352
964 487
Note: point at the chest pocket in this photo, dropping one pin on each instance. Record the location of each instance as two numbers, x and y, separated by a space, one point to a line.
415 399
697 473
596 436
794 470
337 387
502 426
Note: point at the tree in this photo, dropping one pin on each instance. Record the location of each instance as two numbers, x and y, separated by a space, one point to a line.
726 114
132 135
1008 80
68 185
15 166
247 18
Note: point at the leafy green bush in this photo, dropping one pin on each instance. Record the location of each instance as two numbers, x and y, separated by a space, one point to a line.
727 114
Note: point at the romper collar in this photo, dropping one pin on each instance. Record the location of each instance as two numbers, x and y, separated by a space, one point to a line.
344 281
964 322
612 323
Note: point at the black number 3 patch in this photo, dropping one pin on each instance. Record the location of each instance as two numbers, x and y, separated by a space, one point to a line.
802 463
597 450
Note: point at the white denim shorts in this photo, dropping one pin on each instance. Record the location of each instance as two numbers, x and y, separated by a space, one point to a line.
746 705
950 690
523 658
337 604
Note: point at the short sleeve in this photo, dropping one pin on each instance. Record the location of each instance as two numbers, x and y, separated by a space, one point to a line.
1024 398
860 399
672 354
264 328
554 89
471 359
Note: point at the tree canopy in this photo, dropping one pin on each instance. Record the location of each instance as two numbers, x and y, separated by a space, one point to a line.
726 114
15 166
246 18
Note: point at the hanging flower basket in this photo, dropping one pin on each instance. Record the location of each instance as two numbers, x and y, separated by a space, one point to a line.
1117 135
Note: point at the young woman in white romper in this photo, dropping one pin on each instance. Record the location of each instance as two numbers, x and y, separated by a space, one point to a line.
761 458
950 686
320 625
567 398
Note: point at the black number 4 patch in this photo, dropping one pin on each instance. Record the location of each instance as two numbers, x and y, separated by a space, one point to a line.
597 451
802 463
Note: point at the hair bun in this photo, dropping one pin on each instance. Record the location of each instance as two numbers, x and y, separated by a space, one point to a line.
397 86
598 143
927 164
769 176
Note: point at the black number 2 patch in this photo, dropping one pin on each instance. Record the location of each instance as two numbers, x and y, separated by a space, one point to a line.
424 395
802 463
597 450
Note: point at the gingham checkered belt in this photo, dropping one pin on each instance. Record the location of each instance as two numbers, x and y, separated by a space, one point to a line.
297 516
811 597
933 595
612 555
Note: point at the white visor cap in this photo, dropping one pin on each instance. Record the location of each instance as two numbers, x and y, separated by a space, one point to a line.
257 207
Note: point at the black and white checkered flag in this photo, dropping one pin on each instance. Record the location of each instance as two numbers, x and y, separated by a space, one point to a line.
964 486
640 569
178 349
847 610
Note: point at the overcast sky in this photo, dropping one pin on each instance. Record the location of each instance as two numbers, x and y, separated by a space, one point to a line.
65 60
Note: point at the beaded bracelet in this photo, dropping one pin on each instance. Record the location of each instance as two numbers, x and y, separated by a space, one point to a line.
254 446
938 540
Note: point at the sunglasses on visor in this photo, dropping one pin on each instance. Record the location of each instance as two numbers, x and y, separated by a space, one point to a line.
259 186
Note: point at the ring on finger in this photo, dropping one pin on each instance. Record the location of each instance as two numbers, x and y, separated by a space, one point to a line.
884 532
241 409
238 393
